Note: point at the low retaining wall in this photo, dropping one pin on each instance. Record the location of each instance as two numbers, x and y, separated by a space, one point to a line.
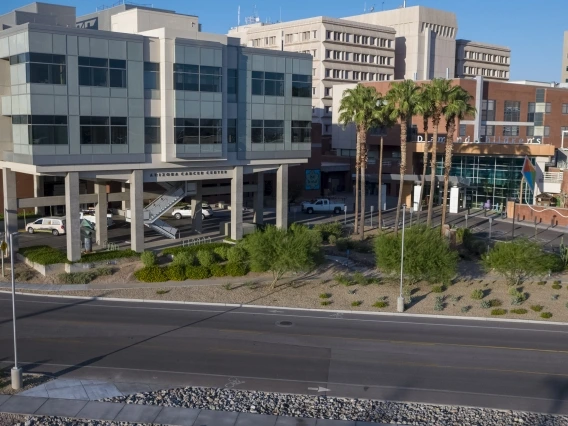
45 270
550 216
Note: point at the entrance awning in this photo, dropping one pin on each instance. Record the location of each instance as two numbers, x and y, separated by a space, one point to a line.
334 167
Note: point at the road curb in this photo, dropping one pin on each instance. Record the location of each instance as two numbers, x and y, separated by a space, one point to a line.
286 308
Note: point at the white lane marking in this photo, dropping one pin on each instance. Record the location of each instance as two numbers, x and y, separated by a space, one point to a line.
234 312
320 389
290 381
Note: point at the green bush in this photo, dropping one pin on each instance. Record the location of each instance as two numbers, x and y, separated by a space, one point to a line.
325 302
546 315
236 269
77 277
556 286
108 255
557 282
512 291
325 296
381 304
356 303
439 305
175 272
193 249
465 309
344 279
498 311
438 289
256 267
519 311
184 259
518 298
495 303
102 272
237 255
485 304
427 255
344 244
537 308
161 292
326 230
151 274
332 239
44 255
197 272
149 258
221 251
541 282
218 270
477 294
206 258
463 235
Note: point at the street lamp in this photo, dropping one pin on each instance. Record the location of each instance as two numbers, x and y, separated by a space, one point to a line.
400 301
16 372
515 201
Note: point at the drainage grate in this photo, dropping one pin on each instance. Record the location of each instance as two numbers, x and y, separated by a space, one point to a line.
285 323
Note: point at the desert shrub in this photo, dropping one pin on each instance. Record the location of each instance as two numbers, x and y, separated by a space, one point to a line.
556 286
495 303
325 296
221 251
344 279
537 308
554 297
477 294
463 235
77 277
237 255
44 255
356 303
519 311
326 230
206 258
161 292
438 289
197 272
193 249
218 270
325 302
151 274
175 272
485 304
25 275
512 291
427 255
546 315
498 311
236 269
465 309
105 272
439 305
541 283
518 298
184 259
344 244
557 282
256 267
149 259
332 239
381 304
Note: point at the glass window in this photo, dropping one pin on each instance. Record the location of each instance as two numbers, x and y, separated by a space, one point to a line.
103 131
268 83
231 130
488 110
151 76
117 78
43 68
195 78
512 111
152 130
463 129
101 72
301 131
44 129
301 85
267 131
232 81
195 131
510 130
39 73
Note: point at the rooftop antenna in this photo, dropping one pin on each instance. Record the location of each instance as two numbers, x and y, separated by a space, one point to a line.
404 3
365 7
238 17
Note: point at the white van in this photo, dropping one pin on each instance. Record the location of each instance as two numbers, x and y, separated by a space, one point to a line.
54 225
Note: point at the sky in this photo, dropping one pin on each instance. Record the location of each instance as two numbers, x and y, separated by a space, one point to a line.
533 29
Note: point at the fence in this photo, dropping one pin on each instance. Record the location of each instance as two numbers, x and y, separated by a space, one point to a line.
195 241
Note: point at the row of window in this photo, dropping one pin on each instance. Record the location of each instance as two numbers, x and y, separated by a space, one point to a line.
511 131
340 55
356 75
488 57
487 72
197 78
358 39
53 130
512 111
442 30
272 84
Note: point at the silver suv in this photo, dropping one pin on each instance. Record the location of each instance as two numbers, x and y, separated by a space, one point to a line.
54 225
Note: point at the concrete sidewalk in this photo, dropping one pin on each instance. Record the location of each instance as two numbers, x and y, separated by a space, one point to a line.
150 414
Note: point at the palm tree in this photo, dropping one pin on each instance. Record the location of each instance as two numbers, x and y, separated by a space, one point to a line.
440 89
359 106
385 122
402 98
425 108
458 107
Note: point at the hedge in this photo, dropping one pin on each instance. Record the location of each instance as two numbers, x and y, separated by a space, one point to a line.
193 249
44 255
175 272
153 274
218 270
197 272
235 269
107 255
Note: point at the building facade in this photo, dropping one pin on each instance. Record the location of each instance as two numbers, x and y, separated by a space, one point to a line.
171 107
564 71
490 61
342 51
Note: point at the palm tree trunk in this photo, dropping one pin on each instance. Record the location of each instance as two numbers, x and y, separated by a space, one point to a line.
424 167
363 139
433 179
448 166
402 170
380 182
357 173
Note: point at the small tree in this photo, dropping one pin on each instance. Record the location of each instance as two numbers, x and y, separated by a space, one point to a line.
519 260
427 255
281 251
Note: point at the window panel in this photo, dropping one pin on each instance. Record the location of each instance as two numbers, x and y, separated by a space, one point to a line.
117 78
231 130
512 111
39 73
117 63
210 83
118 135
99 77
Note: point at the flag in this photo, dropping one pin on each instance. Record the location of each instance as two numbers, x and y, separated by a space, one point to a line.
529 173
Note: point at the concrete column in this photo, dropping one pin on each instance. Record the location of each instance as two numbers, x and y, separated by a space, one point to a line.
237 204
125 203
282 197
10 205
136 211
197 210
259 199
101 212
72 227
39 192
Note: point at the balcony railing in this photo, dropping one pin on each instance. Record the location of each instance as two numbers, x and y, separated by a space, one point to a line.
553 177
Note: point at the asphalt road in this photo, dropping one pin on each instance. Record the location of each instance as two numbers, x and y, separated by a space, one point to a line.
393 357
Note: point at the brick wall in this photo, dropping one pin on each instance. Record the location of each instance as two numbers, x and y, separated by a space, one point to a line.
551 216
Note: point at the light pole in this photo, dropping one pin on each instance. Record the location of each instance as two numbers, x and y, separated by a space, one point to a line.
16 372
400 301
515 201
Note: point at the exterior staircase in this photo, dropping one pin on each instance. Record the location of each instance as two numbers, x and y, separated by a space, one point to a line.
163 228
161 205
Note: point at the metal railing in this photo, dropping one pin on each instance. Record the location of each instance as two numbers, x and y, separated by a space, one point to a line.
188 242
553 177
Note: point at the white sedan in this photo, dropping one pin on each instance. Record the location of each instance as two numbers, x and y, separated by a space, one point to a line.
185 212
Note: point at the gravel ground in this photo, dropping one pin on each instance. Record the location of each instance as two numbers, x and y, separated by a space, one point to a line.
7 419
62 421
336 408
306 294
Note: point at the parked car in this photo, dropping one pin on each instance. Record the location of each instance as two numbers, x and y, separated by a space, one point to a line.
54 225
323 205
185 211
91 217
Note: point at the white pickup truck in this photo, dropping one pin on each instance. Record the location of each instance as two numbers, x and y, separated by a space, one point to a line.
323 205
90 216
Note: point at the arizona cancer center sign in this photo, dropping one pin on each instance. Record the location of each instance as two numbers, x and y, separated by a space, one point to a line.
186 175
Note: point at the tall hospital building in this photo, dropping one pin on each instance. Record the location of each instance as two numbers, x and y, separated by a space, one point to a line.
129 98
416 43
